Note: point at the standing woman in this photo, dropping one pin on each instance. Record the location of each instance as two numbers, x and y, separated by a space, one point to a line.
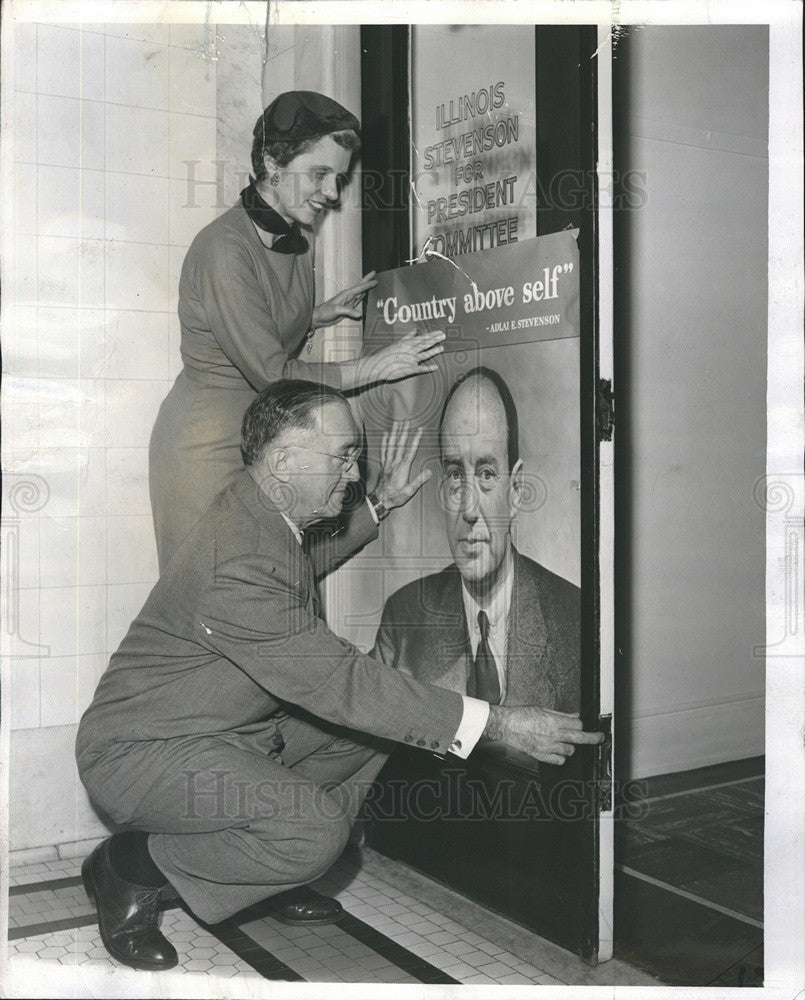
246 310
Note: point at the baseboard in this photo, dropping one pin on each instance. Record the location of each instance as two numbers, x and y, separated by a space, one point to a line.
729 772
33 855
48 804
699 736
72 850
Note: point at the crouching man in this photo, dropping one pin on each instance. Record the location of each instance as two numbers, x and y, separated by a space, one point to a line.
233 733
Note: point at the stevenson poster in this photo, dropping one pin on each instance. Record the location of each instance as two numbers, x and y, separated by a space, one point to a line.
514 309
514 294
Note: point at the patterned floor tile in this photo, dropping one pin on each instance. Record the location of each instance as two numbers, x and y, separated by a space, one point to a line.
387 927
460 970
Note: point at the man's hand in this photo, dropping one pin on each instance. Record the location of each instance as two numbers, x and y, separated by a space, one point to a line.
394 485
540 732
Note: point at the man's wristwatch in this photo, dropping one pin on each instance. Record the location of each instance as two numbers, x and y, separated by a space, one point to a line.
380 509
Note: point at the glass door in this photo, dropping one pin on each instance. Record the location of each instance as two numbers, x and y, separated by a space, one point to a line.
486 152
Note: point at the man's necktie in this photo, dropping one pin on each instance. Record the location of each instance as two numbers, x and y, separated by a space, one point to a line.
314 599
487 683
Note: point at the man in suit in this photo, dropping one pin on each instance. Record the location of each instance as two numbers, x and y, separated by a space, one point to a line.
494 624
233 733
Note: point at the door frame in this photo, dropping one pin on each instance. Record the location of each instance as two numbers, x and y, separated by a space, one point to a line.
568 74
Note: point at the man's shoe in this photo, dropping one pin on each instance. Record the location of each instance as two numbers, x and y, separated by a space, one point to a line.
304 906
127 915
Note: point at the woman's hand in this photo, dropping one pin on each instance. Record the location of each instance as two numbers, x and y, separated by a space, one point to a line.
347 304
412 354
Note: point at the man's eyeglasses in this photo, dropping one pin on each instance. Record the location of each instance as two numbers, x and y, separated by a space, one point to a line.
347 461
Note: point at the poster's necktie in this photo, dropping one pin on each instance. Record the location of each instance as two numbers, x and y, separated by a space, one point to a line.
487 682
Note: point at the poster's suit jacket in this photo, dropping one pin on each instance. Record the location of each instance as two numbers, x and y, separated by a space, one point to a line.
229 634
423 632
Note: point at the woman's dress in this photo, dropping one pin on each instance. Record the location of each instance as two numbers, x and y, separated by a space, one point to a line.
244 312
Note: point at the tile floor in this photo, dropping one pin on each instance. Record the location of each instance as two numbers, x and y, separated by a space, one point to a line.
707 841
388 935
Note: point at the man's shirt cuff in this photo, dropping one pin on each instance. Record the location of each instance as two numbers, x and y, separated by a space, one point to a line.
473 723
371 507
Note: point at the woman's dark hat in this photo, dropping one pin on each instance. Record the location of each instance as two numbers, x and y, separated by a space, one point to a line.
303 114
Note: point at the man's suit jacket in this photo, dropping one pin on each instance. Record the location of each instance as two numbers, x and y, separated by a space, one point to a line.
229 633
423 632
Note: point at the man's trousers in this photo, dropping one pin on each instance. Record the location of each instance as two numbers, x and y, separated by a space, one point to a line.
237 817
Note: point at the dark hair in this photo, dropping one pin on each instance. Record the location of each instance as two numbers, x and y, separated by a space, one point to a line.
283 404
282 151
512 432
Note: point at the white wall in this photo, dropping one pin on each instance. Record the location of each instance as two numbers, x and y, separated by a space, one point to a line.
692 112
104 116
121 134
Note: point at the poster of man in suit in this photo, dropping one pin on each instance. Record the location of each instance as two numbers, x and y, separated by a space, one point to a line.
477 586
494 623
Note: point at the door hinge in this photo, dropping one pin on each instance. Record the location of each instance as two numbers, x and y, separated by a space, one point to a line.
603 765
605 409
